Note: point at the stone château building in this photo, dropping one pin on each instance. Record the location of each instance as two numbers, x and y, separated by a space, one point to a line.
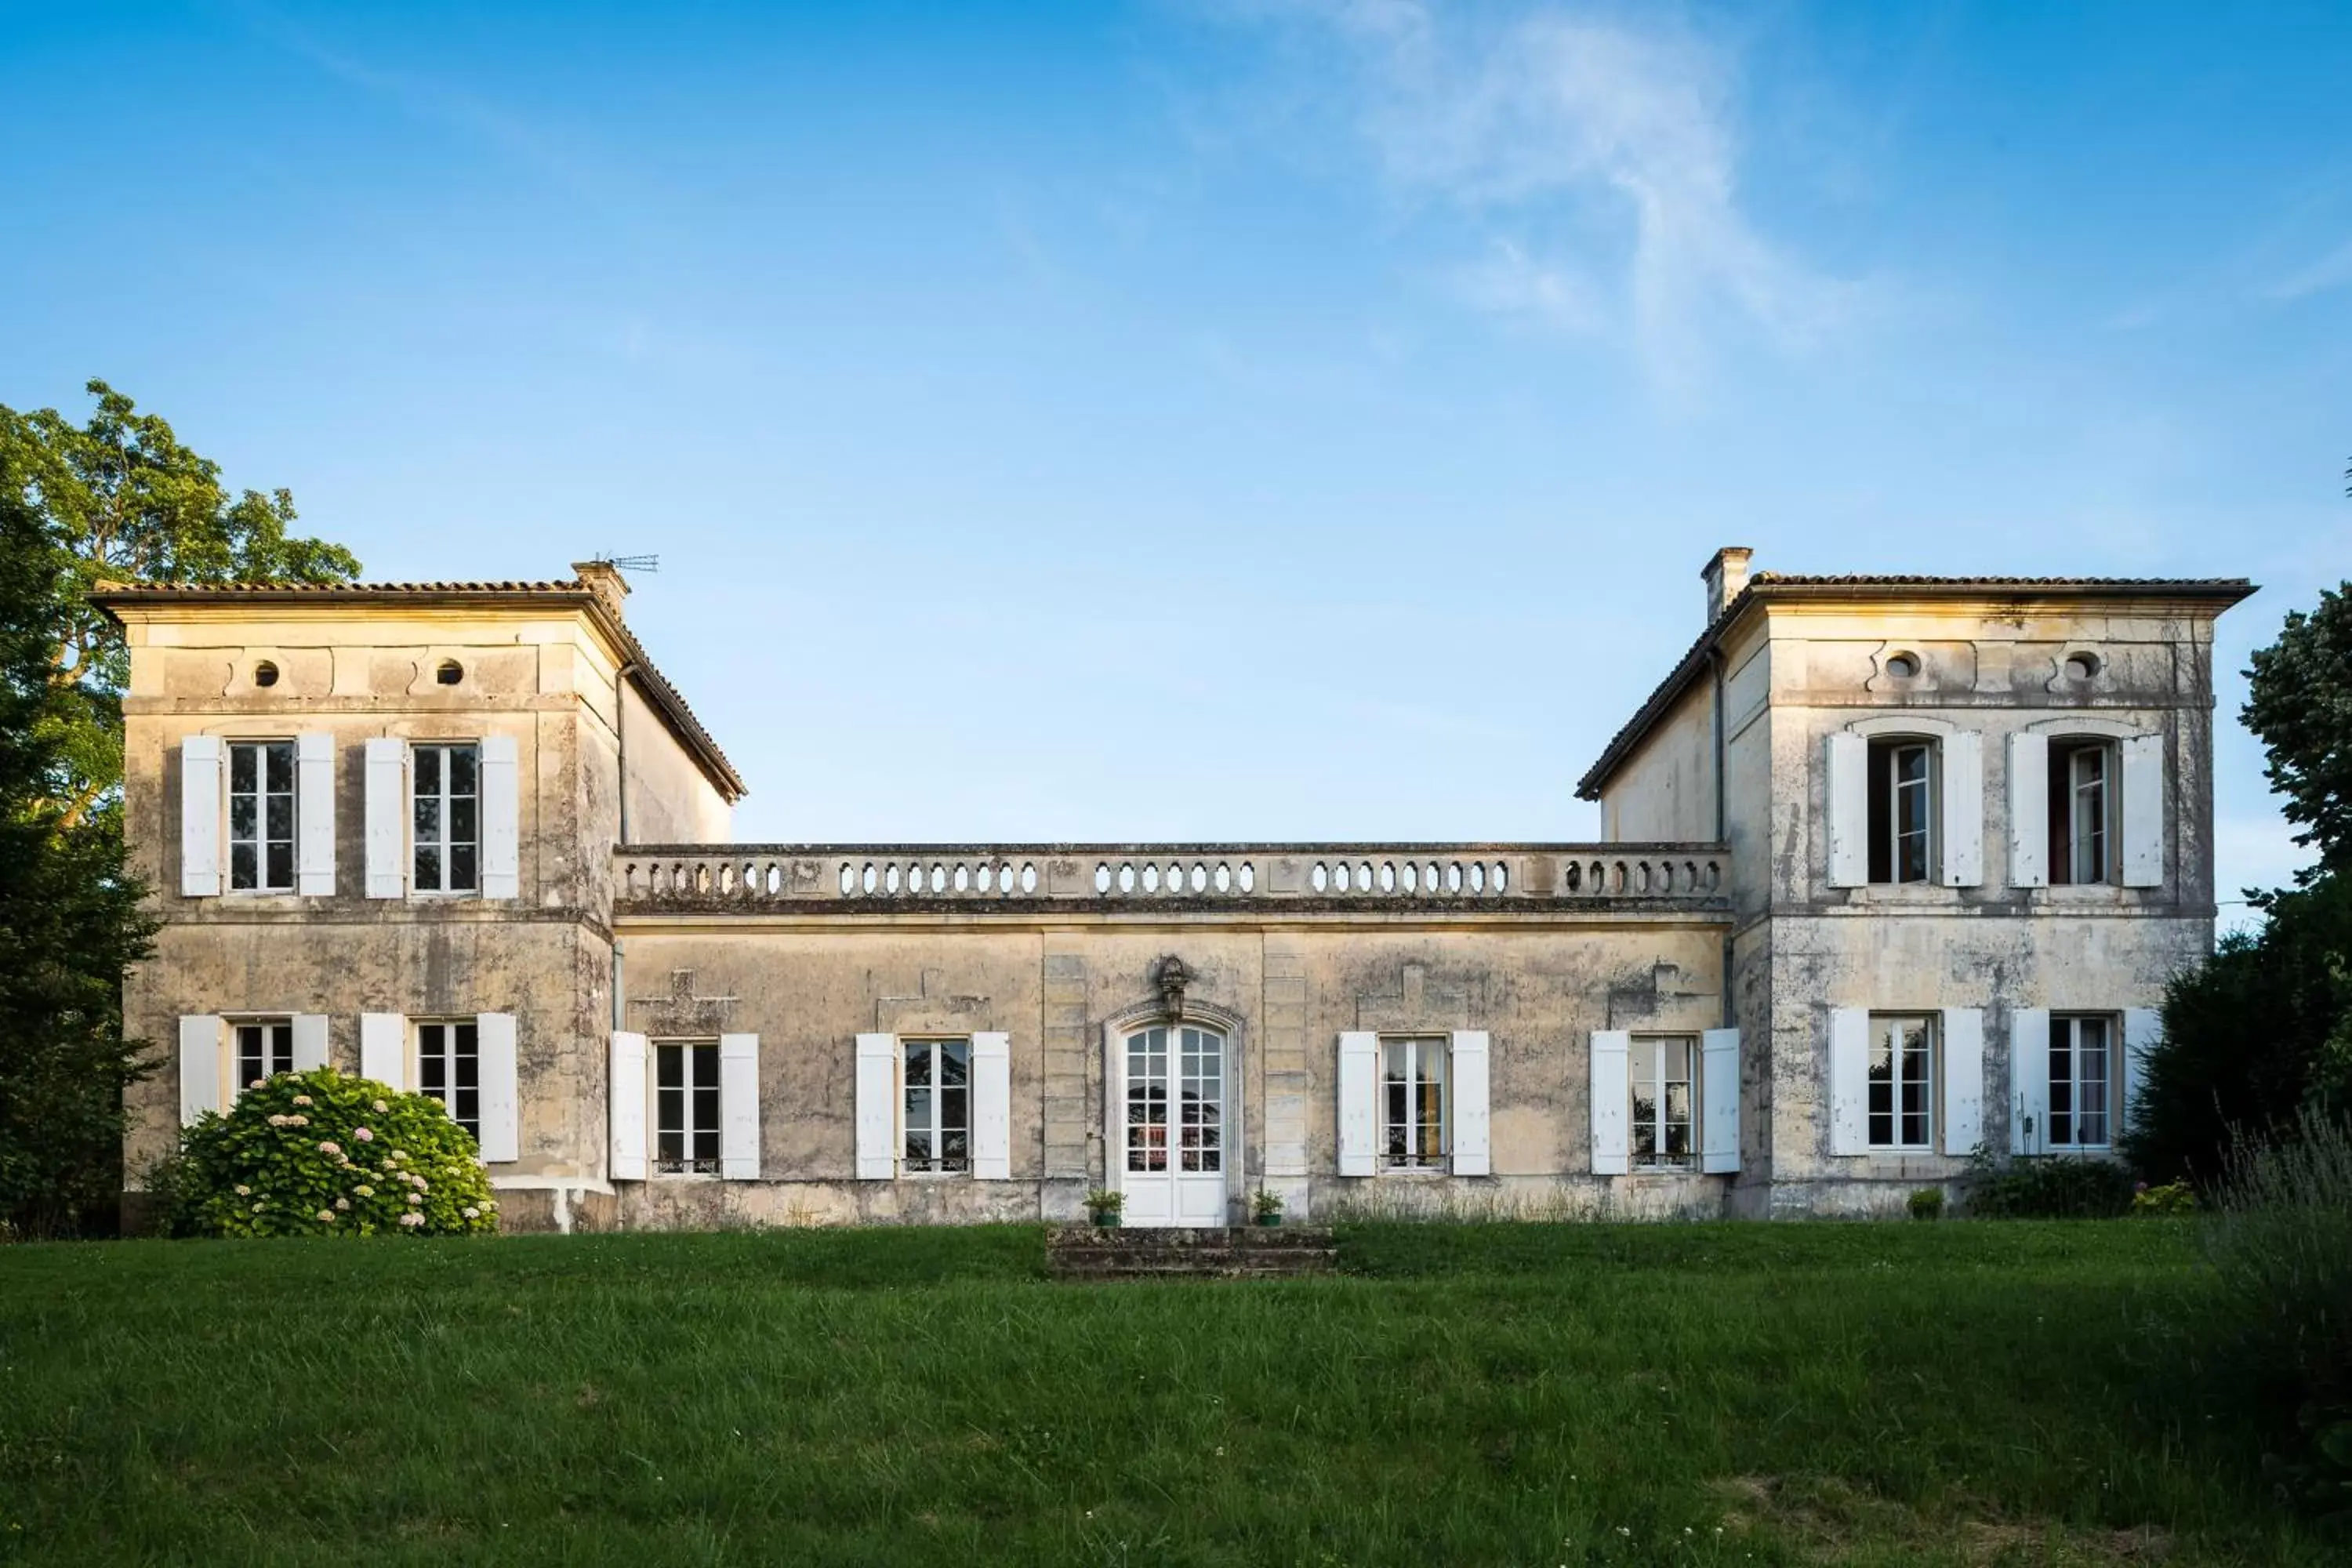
1892 868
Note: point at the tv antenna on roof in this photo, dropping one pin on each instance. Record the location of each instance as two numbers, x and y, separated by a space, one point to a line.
629 562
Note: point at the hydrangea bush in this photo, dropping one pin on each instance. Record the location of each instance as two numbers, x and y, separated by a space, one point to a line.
319 1154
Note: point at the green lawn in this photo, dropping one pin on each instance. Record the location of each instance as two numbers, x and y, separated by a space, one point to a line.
1502 1394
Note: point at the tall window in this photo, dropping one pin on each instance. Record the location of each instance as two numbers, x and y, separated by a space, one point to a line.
1660 1072
1901 1082
1412 1129
939 1105
1190 1062
1902 811
686 1107
448 1068
2082 1058
264 1050
2081 811
447 832
261 816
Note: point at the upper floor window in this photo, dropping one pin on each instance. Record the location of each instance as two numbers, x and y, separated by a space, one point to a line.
261 816
1412 1103
1659 1071
446 832
448 1068
936 1127
686 1107
1902 810
1902 1078
2081 811
2082 1064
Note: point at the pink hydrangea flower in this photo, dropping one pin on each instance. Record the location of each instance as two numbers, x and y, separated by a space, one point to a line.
412 1217
415 1202
364 1136
277 1122
301 1100
297 1120
327 1146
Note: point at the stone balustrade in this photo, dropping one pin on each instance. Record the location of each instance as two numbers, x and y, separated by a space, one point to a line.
882 877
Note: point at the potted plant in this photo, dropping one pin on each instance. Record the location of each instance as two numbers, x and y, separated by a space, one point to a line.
1265 1207
1102 1208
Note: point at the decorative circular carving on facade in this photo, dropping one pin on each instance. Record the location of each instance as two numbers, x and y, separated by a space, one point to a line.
2081 665
450 673
264 674
1902 666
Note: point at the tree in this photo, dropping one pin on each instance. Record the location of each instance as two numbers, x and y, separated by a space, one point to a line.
70 918
123 500
116 498
2301 705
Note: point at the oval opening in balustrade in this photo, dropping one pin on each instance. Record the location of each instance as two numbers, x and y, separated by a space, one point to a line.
1478 876
1225 878
1102 878
1127 879
1028 878
1502 878
1247 877
1199 878
1150 879
1454 875
1318 878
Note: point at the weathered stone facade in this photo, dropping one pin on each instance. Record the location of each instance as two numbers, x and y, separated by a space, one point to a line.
662 1028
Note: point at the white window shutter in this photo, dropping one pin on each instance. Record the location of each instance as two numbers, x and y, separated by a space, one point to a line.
200 1065
1849 810
2142 1026
387 813
501 1100
878 1107
626 1162
2029 1079
1612 1050
2143 810
1849 1080
383 1048
314 814
1360 1101
200 817
501 819
1963 787
2029 810
1964 1078
739 1106
991 1107
1470 1154
1718 1087
310 1041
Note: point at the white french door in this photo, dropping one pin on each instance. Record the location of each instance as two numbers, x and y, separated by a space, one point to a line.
1170 1162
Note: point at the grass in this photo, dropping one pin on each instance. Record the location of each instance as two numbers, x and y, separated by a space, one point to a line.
1502 1394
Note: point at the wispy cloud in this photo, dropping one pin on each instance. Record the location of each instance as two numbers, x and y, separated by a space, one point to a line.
2333 270
1598 159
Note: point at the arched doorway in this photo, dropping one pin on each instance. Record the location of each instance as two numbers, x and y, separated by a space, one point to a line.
1171 1154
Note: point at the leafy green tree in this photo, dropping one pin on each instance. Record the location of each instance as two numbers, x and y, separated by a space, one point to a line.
69 919
117 499
2300 703
123 500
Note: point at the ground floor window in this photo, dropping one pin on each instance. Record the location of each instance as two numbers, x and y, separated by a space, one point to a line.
686 1107
265 1047
1902 1082
2082 1059
937 1120
1412 1103
1660 1071
448 1068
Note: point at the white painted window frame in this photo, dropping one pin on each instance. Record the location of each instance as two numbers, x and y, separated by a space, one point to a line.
410 843
2138 795
415 1059
655 1045
937 1170
1654 1045
1933 1018
260 745
2111 1056
1417 1045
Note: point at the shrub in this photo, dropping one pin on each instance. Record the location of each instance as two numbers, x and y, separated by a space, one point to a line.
317 1153
2050 1188
2172 1198
1928 1203
2280 1239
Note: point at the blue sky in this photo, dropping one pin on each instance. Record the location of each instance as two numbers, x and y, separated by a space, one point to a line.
1215 420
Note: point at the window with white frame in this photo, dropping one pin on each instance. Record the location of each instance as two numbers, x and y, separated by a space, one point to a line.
936 1123
446 828
449 1069
1902 1082
261 816
1662 1072
264 1047
2081 811
686 1107
1412 1103
1902 810
2082 1080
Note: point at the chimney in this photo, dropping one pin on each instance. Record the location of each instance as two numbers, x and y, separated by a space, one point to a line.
1726 573
602 579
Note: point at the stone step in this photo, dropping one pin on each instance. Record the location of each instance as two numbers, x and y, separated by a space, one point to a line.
1238 1252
